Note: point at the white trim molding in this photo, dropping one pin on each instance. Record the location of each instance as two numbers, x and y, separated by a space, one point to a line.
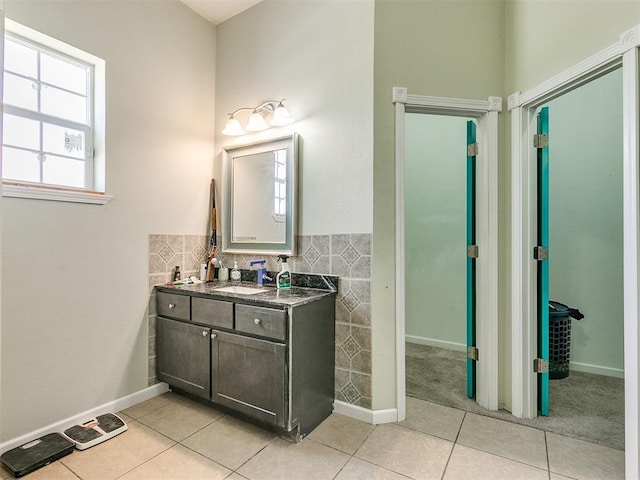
434 342
373 417
486 113
114 406
522 106
54 194
631 249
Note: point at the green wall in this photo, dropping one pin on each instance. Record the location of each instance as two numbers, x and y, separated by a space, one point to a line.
585 219
433 47
468 49
435 230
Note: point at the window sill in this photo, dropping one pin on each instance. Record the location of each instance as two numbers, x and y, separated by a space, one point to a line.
52 193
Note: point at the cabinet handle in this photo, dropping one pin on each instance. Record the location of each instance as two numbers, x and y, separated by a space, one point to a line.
256 321
213 335
172 306
205 333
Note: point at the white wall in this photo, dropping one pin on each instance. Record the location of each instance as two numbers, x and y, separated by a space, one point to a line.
435 229
318 54
585 219
75 277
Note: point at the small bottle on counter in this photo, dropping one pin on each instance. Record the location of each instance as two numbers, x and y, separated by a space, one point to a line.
236 276
283 279
176 273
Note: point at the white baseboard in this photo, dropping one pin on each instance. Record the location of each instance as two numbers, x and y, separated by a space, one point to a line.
433 342
375 417
113 406
597 369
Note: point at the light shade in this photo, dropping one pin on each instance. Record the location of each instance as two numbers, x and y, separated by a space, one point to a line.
256 122
233 127
271 113
281 116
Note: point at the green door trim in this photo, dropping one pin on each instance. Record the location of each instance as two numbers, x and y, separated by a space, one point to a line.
542 146
471 261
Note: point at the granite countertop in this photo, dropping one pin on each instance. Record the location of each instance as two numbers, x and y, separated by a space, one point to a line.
296 295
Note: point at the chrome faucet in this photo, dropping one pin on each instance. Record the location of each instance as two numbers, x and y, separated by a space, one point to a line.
262 271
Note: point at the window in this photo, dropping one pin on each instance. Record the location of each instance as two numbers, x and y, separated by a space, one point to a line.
280 186
49 121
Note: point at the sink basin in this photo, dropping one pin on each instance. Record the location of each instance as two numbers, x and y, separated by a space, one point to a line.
242 290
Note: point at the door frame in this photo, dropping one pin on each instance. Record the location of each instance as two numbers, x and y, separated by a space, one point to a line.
485 112
624 54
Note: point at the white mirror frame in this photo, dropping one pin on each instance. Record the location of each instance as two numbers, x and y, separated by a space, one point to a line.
523 223
288 247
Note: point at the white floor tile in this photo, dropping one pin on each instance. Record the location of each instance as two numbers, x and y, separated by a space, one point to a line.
583 460
468 463
506 439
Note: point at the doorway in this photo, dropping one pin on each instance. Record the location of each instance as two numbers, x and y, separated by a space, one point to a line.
438 199
580 262
523 272
485 115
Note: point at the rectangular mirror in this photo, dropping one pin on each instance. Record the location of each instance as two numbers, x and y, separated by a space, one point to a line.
259 190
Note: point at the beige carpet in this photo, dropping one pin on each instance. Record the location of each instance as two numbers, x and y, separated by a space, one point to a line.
585 406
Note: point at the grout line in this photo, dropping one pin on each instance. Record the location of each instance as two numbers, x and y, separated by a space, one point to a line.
453 446
460 427
255 454
546 451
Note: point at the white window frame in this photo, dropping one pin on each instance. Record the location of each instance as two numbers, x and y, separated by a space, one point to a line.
94 146
279 215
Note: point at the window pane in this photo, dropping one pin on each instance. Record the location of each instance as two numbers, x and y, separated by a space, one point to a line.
21 132
63 74
20 92
63 104
63 141
20 59
63 171
20 165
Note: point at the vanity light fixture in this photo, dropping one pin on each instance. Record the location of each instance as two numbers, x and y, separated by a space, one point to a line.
271 113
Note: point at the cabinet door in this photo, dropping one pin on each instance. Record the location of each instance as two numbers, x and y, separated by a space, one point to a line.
249 375
183 356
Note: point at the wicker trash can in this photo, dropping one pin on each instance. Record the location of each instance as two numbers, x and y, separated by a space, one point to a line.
560 338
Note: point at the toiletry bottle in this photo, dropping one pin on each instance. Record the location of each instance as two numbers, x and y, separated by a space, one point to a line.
176 273
235 273
283 280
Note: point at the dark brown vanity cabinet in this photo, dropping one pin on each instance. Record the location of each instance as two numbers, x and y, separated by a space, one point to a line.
249 375
183 352
273 363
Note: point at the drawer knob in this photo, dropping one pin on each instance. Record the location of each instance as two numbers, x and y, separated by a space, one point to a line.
205 333
172 306
256 321
213 335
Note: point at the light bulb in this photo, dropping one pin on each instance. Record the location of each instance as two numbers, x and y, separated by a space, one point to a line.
233 127
257 122
281 116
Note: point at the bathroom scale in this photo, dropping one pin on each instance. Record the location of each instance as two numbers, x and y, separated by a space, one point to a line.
36 454
95 431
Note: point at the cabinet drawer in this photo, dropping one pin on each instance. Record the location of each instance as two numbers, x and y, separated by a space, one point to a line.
216 313
174 306
265 322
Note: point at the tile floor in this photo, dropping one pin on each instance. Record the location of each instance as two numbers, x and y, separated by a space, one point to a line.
171 437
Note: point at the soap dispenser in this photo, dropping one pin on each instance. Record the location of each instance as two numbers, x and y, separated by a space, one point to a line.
283 280
236 276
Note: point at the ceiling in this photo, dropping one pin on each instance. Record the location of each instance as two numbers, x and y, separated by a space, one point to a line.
217 11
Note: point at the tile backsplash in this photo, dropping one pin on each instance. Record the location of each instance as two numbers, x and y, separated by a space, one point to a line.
345 255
